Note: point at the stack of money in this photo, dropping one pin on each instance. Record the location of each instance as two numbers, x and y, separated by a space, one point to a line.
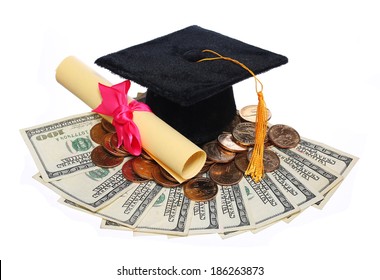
216 201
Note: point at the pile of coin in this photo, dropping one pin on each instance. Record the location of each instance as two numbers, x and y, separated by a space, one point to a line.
137 170
231 153
227 157
107 154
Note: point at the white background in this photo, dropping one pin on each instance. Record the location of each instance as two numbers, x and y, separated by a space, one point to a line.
328 91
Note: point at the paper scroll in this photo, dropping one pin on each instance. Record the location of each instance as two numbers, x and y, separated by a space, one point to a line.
178 155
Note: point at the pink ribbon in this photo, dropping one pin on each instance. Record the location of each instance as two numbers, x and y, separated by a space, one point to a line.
115 104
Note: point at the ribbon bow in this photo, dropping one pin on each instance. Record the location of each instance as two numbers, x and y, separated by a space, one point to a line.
115 104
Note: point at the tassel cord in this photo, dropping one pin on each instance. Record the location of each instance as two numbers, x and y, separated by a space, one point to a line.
256 164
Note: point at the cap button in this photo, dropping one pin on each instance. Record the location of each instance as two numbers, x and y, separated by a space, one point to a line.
194 55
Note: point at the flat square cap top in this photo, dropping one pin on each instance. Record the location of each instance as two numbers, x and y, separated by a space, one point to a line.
168 65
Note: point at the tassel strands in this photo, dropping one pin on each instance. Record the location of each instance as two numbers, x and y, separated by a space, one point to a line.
256 164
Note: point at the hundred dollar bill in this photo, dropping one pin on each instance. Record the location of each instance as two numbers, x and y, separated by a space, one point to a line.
327 156
129 209
107 224
296 191
266 201
205 218
310 173
63 147
93 189
234 215
170 214
338 161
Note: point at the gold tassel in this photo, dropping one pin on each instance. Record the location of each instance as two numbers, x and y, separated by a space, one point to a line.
256 164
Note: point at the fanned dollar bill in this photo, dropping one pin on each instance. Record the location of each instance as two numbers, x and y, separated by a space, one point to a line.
205 219
332 158
93 189
170 214
63 147
296 191
310 173
107 224
266 201
234 213
130 209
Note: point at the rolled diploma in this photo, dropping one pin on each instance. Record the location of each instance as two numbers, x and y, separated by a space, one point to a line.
178 155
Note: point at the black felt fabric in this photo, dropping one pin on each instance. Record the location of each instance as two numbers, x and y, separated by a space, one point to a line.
200 123
167 65
195 98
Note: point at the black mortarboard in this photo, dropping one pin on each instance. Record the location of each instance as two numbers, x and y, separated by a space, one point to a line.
194 98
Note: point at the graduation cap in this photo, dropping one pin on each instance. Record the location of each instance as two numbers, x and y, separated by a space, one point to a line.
194 98
190 93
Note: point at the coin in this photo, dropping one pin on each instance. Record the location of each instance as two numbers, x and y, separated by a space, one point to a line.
241 161
114 143
160 179
145 155
97 133
227 142
225 174
143 167
100 157
200 189
249 113
204 169
271 160
108 144
129 174
167 175
283 136
216 153
108 126
244 133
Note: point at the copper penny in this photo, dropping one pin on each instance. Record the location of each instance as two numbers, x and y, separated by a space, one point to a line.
108 126
204 169
145 155
227 142
225 174
97 133
114 142
143 167
161 180
100 157
129 174
271 160
108 145
244 133
216 153
200 189
283 136
167 175
241 162
249 113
